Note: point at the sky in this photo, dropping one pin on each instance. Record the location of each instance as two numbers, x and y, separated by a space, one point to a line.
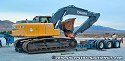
112 11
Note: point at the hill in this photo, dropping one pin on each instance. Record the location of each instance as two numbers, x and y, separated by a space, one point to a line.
5 25
101 29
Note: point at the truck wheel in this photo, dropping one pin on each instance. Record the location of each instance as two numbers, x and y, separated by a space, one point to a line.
16 49
117 44
100 45
20 50
108 44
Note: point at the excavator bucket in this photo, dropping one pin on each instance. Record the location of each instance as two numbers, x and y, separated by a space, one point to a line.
68 27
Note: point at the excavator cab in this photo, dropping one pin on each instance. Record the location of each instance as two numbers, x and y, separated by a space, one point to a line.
41 19
67 26
40 27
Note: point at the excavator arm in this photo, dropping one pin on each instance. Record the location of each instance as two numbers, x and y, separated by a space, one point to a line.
72 10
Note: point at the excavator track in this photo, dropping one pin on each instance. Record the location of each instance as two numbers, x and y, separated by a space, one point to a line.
41 45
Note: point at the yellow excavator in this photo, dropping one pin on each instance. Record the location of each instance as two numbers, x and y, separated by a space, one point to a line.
40 33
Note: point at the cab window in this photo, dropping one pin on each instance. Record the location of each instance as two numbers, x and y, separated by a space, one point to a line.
43 20
36 20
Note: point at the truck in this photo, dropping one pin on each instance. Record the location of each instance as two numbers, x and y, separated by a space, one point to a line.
9 38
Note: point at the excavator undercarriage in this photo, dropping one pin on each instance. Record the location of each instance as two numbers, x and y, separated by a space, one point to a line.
44 44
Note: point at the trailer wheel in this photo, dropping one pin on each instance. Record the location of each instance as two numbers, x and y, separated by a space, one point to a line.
100 45
108 44
117 44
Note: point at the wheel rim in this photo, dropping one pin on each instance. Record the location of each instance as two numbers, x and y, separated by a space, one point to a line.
109 44
117 44
101 45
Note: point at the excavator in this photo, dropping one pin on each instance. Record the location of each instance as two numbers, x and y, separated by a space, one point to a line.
41 34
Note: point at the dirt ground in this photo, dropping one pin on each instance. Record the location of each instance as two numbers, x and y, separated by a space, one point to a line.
7 53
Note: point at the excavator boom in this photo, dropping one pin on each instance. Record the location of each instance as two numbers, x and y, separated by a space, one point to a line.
72 10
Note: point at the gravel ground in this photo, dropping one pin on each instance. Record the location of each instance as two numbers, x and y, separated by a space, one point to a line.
7 53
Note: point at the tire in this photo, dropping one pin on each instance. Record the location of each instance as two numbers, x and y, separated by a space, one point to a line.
20 50
108 44
117 44
100 44
16 49
0 44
